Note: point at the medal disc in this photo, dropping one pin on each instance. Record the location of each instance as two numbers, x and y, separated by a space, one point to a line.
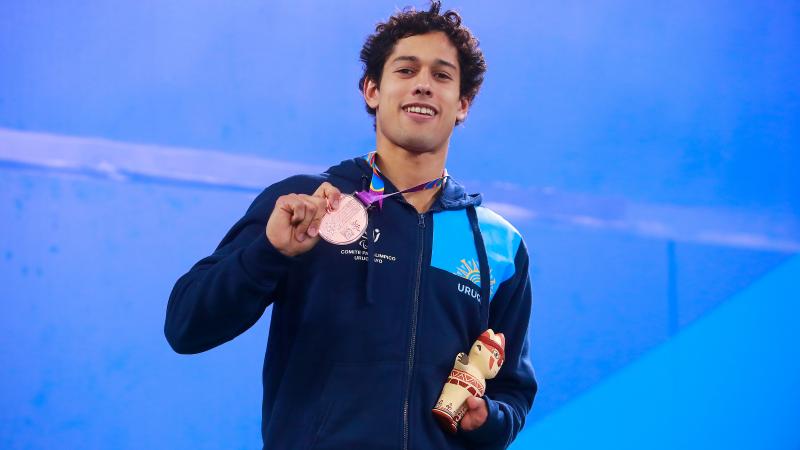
346 224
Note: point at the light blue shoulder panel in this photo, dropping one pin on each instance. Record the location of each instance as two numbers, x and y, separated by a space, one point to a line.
454 246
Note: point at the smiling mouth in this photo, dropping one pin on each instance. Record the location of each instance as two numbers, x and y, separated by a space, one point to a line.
421 110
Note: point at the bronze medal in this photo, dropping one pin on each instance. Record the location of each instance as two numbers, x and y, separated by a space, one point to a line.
346 224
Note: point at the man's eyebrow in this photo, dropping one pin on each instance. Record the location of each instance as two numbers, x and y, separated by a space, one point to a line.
439 61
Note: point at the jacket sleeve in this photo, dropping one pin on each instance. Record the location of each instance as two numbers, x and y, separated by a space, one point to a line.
509 396
226 293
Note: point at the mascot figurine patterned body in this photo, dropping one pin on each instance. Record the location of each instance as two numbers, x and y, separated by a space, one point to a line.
468 378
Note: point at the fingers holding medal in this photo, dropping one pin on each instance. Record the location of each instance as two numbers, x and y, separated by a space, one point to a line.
330 193
294 225
325 200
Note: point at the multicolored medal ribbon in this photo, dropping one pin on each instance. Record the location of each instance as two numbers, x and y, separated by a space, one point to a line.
348 222
376 185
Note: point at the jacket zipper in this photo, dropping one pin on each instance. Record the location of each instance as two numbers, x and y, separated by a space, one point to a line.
411 348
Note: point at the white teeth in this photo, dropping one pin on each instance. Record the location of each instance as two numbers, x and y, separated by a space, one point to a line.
420 110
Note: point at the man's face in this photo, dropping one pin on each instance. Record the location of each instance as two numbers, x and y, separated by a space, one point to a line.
418 101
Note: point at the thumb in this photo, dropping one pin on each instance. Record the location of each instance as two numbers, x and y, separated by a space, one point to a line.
474 403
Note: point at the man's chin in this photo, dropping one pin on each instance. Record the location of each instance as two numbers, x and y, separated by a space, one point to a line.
420 151
417 145
416 141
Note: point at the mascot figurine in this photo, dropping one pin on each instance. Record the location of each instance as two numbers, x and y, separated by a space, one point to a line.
468 378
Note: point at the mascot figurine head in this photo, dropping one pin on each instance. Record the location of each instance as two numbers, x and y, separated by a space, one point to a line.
488 353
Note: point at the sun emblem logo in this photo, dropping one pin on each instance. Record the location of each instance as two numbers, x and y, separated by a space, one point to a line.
471 271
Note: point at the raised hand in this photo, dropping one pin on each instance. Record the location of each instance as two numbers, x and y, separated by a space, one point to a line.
293 226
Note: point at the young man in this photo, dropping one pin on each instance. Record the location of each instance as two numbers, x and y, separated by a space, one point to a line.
364 334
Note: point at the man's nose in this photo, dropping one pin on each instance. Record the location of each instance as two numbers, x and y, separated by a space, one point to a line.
423 89
423 86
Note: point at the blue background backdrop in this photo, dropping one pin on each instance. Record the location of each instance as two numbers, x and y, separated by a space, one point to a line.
649 154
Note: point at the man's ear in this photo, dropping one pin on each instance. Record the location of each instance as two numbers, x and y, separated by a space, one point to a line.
463 109
371 93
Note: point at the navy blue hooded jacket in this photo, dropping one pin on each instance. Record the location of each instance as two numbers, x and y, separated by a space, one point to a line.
363 336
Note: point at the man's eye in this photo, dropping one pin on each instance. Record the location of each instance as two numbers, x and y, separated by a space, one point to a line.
443 75
404 71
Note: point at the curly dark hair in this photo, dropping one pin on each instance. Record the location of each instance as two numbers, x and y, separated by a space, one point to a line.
411 22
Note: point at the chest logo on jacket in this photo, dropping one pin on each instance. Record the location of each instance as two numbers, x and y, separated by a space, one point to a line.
376 234
470 270
361 253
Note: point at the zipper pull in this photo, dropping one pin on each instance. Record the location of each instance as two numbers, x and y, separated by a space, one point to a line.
422 220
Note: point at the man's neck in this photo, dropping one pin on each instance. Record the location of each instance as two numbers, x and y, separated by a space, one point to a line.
407 169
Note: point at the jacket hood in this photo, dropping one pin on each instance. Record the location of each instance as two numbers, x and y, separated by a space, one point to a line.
452 196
